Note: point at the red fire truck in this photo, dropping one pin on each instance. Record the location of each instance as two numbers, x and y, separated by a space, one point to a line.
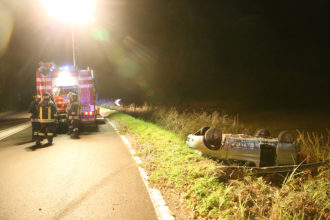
61 81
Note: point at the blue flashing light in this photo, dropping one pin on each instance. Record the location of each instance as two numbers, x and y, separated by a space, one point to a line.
67 68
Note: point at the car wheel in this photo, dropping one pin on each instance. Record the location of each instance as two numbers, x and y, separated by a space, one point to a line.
213 139
285 137
262 133
202 131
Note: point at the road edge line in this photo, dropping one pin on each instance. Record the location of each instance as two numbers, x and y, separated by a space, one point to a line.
14 130
162 210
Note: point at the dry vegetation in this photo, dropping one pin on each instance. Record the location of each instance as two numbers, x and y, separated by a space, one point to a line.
215 194
314 146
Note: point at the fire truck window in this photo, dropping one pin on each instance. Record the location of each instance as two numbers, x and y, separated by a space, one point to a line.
65 91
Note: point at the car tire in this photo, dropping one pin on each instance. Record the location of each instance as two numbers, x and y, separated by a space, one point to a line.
262 133
204 130
285 137
213 139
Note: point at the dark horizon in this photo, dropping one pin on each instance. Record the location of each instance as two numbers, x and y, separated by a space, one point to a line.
260 55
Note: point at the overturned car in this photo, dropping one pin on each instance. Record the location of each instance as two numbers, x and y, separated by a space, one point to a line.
256 151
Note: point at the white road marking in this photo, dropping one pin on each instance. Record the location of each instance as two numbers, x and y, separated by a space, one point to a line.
163 212
13 130
137 160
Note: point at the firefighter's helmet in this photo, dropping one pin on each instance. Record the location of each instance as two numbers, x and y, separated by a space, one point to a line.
46 96
36 97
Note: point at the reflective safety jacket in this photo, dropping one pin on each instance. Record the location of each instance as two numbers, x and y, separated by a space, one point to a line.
73 110
34 110
47 111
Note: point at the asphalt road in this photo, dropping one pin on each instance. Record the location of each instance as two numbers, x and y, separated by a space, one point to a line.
90 178
8 119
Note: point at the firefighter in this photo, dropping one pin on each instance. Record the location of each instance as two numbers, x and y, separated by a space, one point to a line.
51 97
34 110
73 116
47 114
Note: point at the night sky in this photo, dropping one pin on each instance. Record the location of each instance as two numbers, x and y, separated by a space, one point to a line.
258 54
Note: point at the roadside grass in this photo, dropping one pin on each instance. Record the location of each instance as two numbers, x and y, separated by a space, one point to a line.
105 112
313 146
212 193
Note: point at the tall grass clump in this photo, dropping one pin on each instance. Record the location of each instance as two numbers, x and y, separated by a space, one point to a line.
314 146
184 122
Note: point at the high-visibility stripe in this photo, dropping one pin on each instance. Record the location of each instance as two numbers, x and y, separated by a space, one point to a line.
35 133
85 78
41 114
44 87
43 80
41 134
73 117
86 86
46 120
50 134
84 72
85 82
45 84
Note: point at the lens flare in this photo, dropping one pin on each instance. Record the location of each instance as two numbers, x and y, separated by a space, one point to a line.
100 34
6 28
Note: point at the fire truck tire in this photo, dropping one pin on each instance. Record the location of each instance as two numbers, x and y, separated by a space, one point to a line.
213 139
262 133
285 137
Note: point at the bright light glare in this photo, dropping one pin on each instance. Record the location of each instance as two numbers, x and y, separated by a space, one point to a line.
65 79
74 11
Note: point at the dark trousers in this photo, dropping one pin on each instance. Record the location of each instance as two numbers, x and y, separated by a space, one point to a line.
46 130
35 129
74 124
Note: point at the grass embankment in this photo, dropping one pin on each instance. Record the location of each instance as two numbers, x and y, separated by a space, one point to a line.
105 112
212 193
